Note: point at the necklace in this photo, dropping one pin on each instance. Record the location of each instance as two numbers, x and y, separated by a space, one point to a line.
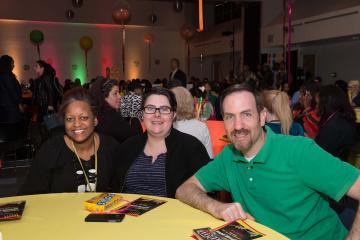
82 167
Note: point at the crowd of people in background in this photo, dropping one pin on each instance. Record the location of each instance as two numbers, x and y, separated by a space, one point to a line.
158 128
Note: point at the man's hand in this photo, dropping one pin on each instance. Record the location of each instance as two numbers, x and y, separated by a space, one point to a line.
229 211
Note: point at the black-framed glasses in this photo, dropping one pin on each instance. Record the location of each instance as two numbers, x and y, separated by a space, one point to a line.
150 109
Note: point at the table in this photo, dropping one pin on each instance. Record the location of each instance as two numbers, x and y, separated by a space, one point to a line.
61 216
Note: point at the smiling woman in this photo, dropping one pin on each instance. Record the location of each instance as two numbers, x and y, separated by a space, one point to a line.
158 161
81 160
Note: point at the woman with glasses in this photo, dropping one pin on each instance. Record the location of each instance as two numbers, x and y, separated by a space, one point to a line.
81 160
161 159
106 95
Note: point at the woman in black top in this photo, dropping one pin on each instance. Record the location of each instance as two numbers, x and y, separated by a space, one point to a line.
10 92
107 99
160 160
60 164
337 122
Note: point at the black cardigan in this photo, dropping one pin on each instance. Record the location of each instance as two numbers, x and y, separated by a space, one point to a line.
52 170
185 155
113 124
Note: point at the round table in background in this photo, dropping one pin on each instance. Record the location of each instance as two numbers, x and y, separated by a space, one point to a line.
61 216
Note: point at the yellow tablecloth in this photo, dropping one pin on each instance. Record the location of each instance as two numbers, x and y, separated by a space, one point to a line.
61 216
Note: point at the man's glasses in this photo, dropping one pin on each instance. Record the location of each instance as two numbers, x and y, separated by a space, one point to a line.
150 109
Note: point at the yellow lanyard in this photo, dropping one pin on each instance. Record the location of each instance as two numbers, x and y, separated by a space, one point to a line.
77 156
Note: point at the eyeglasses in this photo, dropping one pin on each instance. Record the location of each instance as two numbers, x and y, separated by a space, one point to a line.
150 109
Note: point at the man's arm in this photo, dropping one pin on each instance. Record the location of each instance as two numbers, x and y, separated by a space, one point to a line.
354 193
193 193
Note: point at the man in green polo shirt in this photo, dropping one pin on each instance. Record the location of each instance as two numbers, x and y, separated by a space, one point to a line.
278 180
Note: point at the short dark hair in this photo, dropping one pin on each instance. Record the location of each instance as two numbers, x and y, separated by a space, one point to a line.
176 60
77 94
163 92
6 63
243 87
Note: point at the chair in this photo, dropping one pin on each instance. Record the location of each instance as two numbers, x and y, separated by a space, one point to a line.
13 139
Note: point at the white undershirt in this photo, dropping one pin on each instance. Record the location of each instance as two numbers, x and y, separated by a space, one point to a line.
249 158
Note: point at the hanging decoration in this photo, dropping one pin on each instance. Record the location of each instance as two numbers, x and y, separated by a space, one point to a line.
201 17
178 6
289 27
77 3
153 18
187 32
121 16
69 14
86 43
37 37
149 38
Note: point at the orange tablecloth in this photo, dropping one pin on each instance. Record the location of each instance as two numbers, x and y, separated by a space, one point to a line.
217 130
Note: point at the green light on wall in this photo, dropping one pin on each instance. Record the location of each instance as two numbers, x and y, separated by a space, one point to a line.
78 69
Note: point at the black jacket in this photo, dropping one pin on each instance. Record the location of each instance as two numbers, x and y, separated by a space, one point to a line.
185 155
53 170
337 136
113 124
10 98
179 76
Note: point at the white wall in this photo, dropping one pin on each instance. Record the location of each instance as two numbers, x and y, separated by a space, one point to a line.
341 58
61 46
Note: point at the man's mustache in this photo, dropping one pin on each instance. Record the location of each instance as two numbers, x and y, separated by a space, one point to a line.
240 131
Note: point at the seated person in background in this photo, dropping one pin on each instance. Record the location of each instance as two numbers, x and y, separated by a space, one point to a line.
354 92
337 122
130 106
278 113
306 111
158 161
79 161
277 179
185 118
107 98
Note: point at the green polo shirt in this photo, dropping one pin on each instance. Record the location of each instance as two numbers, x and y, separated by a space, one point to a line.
282 185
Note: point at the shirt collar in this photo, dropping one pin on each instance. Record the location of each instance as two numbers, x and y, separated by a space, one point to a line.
262 155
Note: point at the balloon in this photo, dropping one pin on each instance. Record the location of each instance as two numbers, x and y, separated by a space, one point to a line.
36 36
187 31
69 14
148 38
86 43
153 18
77 3
121 15
178 6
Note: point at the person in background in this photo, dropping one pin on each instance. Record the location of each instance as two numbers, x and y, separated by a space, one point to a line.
210 94
342 85
278 113
10 92
176 73
131 103
106 96
278 180
337 122
159 160
354 92
306 112
44 92
185 119
81 160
